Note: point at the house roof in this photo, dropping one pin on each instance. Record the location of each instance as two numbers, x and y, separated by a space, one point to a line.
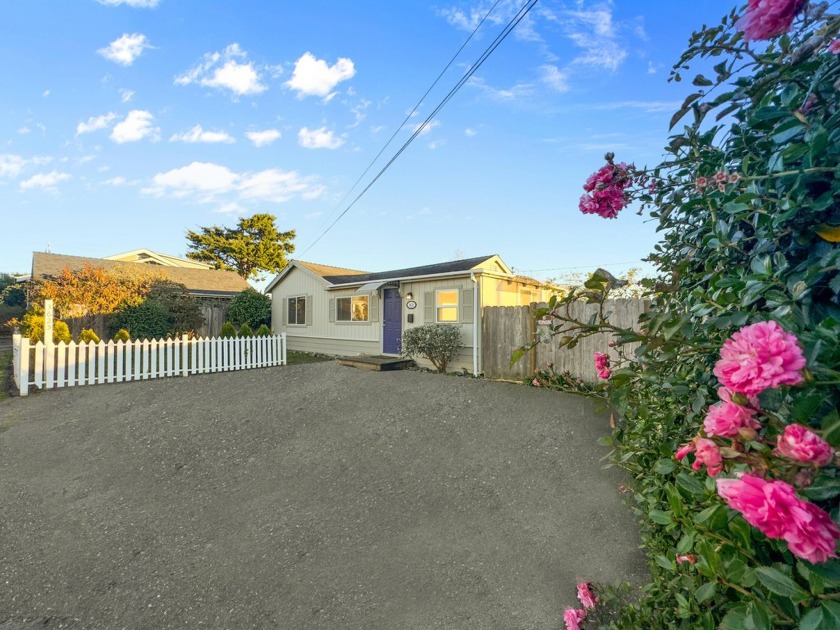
206 282
339 276
454 266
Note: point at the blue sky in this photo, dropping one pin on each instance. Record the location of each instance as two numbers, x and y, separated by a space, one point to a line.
127 122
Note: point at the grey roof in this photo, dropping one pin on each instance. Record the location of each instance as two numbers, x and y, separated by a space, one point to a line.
409 272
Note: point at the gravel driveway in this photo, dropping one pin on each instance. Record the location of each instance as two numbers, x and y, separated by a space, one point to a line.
307 496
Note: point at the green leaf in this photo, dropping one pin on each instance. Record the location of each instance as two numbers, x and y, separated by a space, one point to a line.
663 518
665 563
757 617
734 619
705 592
780 584
829 571
701 81
831 428
665 466
691 484
822 489
826 617
686 543
705 514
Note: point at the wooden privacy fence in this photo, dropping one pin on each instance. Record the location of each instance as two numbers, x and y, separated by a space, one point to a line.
506 328
52 365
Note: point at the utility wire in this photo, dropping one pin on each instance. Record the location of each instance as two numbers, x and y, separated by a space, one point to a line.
414 109
520 15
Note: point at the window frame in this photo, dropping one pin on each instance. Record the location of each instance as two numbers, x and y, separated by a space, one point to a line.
296 299
366 298
457 306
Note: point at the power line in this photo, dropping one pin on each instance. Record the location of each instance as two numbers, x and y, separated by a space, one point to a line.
629 262
520 15
414 109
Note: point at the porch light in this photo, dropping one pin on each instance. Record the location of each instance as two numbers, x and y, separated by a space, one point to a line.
409 296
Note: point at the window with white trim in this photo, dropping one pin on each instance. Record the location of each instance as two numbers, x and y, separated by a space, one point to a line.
352 309
297 311
446 305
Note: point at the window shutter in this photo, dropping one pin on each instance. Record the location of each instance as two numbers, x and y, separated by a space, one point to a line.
308 310
332 310
373 307
429 307
284 315
467 296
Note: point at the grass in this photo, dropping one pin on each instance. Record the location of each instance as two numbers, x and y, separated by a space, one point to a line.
293 357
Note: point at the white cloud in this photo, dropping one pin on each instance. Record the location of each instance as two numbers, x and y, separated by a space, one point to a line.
319 139
593 31
140 4
46 93
427 129
231 208
517 92
470 132
125 49
44 181
205 182
11 165
263 138
126 95
119 180
136 126
313 77
555 78
223 71
24 131
197 134
95 123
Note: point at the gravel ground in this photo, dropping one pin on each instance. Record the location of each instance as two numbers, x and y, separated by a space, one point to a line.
307 496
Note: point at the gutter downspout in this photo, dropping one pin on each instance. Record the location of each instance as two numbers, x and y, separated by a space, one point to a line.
476 321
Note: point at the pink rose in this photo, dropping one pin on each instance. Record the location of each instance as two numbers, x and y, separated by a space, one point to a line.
684 450
573 617
727 418
605 373
759 357
549 364
834 47
606 190
773 508
690 558
767 18
585 596
707 453
601 360
803 445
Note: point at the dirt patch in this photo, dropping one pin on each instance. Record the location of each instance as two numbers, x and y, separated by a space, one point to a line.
308 496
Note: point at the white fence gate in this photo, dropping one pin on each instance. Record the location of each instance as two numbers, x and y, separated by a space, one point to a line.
52 365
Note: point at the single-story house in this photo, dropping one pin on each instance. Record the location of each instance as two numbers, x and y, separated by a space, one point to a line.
337 311
200 280
213 287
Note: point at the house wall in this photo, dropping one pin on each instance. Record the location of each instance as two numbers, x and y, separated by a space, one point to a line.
319 334
353 338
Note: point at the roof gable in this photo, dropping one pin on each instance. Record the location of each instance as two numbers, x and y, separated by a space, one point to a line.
454 266
156 258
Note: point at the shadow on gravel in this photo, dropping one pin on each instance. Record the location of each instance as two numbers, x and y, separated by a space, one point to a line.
308 496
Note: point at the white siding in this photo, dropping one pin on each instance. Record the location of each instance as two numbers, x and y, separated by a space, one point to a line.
352 334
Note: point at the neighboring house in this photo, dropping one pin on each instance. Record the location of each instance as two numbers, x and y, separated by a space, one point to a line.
339 311
156 258
215 288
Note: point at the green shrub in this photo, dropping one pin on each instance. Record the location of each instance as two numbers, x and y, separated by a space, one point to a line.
147 320
33 327
87 335
249 307
439 343
122 335
748 212
263 331
183 310
14 295
245 330
227 331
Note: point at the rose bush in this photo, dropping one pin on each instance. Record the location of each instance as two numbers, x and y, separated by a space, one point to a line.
736 364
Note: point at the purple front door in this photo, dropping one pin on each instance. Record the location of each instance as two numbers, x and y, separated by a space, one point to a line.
391 321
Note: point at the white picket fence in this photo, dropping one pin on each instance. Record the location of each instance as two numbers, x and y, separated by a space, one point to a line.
52 365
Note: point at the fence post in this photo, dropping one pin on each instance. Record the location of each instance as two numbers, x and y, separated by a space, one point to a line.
283 347
23 365
185 355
